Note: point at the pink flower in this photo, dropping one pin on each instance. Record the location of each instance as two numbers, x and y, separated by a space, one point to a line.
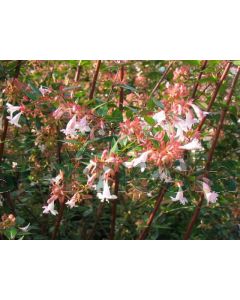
50 208
179 197
193 145
70 129
72 202
106 195
210 196
82 125
73 126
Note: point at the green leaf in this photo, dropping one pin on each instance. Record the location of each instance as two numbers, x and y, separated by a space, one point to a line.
116 116
236 62
149 120
10 233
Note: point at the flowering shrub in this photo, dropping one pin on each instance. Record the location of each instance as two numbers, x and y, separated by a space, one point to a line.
119 149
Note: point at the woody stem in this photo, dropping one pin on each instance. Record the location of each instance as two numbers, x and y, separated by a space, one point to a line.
116 187
143 235
210 156
5 120
94 80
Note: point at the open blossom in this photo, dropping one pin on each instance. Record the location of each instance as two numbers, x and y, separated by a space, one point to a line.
179 197
14 119
210 196
82 125
50 208
199 113
106 195
12 109
73 126
193 145
72 202
159 117
25 228
139 161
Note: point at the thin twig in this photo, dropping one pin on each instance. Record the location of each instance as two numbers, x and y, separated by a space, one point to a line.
219 84
116 187
5 120
143 235
199 78
94 80
58 222
210 156
161 79
77 74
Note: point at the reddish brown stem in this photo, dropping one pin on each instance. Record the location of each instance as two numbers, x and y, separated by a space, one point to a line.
94 80
114 208
77 74
58 222
116 188
219 84
121 95
161 79
5 120
210 156
143 235
199 78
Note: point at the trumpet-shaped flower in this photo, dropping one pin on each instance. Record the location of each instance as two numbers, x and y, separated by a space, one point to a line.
139 161
72 202
73 126
179 197
82 125
210 196
106 195
70 128
193 145
50 209
12 109
14 120
199 113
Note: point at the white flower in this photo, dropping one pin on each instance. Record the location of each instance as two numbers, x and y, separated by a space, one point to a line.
179 197
73 126
15 120
159 117
14 164
50 208
105 195
25 229
193 145
12 109
82 125
199 113
139 161
70 128
72 202
210 196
